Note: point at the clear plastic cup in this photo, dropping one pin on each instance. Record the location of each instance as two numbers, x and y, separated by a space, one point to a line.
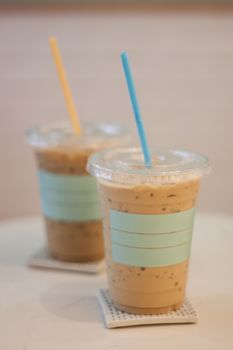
148 221
69 197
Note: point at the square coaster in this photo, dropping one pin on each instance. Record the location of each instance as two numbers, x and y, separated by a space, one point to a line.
114 318
43 259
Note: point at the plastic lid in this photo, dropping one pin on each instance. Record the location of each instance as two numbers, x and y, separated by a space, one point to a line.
94 135
126 166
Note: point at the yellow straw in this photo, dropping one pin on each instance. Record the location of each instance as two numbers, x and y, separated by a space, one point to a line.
65 86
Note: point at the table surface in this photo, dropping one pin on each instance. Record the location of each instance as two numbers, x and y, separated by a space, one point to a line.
42 309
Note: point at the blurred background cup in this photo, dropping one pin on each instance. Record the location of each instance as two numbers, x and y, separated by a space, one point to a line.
148 221
69 198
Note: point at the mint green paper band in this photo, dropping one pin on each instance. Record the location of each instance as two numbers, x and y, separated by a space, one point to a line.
69 197
151 240
151 223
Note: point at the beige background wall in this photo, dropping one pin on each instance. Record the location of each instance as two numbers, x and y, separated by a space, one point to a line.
183 67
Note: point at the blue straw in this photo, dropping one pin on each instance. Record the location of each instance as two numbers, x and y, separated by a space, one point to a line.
136 110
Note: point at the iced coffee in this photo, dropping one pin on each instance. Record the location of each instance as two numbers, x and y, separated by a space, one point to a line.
148 222
69 197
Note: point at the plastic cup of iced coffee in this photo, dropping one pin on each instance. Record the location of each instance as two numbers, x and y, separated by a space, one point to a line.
69 198
148 222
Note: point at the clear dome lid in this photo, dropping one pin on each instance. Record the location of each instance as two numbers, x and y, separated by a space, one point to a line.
126 166
93 136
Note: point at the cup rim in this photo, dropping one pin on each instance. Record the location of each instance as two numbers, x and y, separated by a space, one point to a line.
116 169
60 133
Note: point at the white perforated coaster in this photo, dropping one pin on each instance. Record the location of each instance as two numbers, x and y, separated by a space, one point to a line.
42 259
114 318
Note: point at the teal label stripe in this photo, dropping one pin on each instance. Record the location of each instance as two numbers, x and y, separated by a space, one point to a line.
151 240
151 223
69 197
